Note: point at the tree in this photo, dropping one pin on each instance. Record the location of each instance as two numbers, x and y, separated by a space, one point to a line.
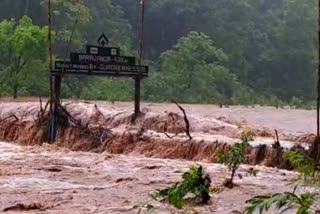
108 18
71 18
17 9
290 59
109 89
194 71
270 44
85 22
23 44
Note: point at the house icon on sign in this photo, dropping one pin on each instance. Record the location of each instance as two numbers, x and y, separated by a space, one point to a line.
103 40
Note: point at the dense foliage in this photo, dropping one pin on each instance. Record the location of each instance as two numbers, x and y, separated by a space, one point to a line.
195 183
304 203
222 51
305 197
22 49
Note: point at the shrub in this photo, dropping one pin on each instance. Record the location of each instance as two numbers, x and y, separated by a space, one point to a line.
234 159
296 102
195 182
304 203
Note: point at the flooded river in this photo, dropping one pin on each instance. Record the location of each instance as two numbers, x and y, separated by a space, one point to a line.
56 180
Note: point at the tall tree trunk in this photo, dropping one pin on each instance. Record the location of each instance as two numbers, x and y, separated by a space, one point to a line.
16 81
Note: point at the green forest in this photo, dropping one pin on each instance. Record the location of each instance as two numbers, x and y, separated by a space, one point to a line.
199 51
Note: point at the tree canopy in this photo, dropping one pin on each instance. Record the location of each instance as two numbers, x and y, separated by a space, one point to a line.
23 53
226 51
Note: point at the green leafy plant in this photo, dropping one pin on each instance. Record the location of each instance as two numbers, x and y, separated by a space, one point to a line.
195 183
301 161
233 159
23 45
303 203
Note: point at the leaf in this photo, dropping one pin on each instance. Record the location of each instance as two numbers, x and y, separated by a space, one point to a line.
302 162
282 202
195 181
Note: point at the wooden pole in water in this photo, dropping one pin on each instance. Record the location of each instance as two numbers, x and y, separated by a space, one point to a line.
315 149
50 50
142 2
137 80
51 113
318 87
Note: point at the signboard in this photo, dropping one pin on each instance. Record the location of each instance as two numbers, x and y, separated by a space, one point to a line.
96 59
101 60
60 65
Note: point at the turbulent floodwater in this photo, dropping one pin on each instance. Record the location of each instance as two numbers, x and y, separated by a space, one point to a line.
285 120
61 181
56 180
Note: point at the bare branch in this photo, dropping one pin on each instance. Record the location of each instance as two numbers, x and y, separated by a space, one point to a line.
68 115
277 136
84 128
10 116
40 101
276 140
187 130
171 137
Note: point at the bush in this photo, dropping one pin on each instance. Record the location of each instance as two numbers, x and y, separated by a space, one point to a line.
304 203
296 102
234 158
195 182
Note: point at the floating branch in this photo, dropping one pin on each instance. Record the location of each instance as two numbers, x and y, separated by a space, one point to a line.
276 140
10 116
99 133
187 129
171 137
165 129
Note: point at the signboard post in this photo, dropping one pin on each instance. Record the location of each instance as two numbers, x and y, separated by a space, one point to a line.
99 61
137 90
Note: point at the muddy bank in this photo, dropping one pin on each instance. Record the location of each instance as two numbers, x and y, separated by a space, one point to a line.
146 135
54 180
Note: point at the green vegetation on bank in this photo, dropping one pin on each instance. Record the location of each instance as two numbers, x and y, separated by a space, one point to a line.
224 51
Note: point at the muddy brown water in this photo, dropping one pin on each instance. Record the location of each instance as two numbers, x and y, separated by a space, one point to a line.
63 181
285 120
66 182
